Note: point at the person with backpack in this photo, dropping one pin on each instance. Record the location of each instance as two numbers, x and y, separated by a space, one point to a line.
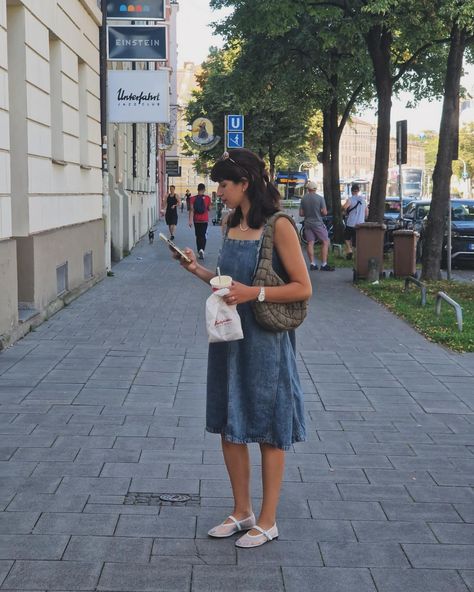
356 211
200 205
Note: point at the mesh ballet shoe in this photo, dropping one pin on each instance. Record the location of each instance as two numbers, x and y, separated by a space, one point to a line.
256 540
227 530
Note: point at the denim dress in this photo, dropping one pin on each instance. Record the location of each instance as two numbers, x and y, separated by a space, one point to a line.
253 388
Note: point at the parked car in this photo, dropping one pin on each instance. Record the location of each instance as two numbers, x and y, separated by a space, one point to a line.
392 218
462 233
415 213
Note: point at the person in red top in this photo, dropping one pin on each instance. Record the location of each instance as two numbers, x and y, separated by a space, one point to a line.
200 205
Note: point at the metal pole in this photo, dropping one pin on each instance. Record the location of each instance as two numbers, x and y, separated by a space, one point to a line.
400 190
448 244
103 133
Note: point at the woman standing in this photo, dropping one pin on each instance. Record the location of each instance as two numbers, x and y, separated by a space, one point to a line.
253 389
171 215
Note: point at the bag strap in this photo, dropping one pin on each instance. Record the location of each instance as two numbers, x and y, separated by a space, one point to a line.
354 207
265 246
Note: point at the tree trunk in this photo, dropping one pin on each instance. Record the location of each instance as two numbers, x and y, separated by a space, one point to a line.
271 162
326 157
334 138
379 42
433 238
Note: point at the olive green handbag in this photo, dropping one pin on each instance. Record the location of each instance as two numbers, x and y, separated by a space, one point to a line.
274 316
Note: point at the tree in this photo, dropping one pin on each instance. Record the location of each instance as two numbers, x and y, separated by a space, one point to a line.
459 17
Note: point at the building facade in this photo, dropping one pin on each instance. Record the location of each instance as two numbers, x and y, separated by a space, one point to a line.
137 153
357 151
51 202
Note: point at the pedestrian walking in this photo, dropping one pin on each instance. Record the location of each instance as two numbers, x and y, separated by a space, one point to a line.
151 236
356 211
313 208
188 200
253 388
199 208
171 214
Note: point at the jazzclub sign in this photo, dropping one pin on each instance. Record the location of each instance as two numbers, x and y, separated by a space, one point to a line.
136 10
138 96
136 43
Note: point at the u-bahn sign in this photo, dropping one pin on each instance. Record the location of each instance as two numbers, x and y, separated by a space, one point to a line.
136 43
136 9
138 96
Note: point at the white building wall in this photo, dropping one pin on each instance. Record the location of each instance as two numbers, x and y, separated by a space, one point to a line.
50 152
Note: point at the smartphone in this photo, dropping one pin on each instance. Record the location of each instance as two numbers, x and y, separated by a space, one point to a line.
174 248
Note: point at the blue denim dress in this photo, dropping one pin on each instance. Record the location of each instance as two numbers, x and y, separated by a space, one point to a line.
253 388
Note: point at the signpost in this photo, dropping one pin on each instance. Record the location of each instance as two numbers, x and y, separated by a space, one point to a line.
402 144
136 43
172 168
148 10
234 131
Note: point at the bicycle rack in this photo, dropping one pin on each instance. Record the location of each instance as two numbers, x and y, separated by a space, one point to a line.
420 285
440 296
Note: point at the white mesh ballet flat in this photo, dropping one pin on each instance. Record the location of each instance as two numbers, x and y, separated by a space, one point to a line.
256 540
227 530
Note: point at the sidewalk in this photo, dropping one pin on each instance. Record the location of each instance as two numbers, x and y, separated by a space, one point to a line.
102 409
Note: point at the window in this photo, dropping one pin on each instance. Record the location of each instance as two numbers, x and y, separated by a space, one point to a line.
88 273
61 279
83 120
55 68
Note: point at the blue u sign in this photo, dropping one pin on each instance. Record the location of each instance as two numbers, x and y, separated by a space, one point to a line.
235 123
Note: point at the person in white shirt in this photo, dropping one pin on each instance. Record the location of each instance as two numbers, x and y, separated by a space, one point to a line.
356 212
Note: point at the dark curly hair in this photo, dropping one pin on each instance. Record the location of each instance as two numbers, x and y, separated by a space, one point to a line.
237 165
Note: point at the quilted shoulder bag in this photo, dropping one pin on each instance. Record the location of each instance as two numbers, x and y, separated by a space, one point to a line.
274 316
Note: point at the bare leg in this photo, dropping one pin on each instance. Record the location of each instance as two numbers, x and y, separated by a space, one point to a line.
172 229
310 251
273 466
237 461
348 246
324 252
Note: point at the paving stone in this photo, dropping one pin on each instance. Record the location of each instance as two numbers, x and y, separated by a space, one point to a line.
417 580
333 475
315 530
124 577
141 469
434 493
282 553
444 556
335 579
454 533
429 512
53 575
390 531
372 492
238 579
363 461
363 555
44 502
74 523
114 549
17 522
63 469
346 510
151 526
32 546
96 485
4 569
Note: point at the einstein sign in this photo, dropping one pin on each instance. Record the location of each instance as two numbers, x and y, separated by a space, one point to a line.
136 43
138 96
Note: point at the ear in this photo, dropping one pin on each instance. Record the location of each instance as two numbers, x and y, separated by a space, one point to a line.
245 184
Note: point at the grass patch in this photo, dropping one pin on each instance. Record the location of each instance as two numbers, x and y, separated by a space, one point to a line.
442 329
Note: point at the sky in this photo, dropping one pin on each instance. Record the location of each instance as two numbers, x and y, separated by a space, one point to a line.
195 36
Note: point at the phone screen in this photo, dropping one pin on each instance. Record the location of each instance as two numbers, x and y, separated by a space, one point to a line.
176 249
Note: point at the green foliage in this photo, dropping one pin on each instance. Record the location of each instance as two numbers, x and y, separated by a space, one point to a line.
442 329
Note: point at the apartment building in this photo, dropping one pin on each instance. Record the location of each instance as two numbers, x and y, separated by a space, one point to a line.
357 150
51 219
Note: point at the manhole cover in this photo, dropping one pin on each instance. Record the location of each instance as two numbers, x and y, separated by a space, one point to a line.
175 497
161 499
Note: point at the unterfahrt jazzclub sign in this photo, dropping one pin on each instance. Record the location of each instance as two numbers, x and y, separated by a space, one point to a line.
138 96
136 43
136 9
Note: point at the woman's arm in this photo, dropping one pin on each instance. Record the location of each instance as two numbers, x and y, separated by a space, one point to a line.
299 286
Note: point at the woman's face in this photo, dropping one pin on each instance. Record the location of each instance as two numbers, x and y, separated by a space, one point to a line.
232 194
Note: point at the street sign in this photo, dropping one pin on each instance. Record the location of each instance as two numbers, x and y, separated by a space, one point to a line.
235 139
136 9
136 43
172 168
235 123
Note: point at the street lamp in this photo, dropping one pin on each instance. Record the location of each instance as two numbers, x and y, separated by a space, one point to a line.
465 178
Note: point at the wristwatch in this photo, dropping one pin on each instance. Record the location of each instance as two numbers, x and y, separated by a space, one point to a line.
261 295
